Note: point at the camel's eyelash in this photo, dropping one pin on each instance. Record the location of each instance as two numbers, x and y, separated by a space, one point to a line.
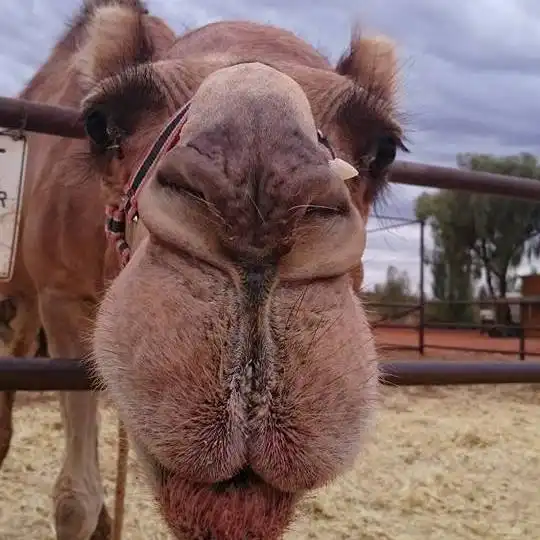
129 94
139 82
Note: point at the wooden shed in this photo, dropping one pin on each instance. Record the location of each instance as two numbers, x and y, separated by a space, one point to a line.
530 313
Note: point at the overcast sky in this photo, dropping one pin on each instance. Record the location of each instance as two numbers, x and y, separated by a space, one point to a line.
470 68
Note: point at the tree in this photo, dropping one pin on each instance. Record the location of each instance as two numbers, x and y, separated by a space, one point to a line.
505 226
396 287
395 290
481 236
451 261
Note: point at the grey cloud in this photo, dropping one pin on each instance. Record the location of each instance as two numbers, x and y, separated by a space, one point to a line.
493 35
484 105
470 71
397 202
27 32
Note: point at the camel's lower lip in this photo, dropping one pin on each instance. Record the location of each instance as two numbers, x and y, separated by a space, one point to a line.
243 507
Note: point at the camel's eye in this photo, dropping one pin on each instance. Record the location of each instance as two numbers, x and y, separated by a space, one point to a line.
97 128
384 155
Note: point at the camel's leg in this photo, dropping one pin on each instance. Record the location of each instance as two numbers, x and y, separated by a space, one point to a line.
19 324
78 496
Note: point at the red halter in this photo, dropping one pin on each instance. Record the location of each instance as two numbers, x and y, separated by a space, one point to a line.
117 215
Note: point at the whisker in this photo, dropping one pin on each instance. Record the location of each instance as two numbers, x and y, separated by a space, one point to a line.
313 342
210 206
256 207
360 366
215 217
296 307
365 382
313 337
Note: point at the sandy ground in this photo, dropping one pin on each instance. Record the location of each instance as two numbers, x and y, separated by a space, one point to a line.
444 463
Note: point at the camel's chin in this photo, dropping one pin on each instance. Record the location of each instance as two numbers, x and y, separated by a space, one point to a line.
241 508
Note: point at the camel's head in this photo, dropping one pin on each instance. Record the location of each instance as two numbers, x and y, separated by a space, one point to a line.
233 343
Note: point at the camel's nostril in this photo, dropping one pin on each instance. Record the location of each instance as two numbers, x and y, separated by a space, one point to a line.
174 182
246 477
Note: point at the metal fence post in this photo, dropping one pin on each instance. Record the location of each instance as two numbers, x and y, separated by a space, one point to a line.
422 311
521 332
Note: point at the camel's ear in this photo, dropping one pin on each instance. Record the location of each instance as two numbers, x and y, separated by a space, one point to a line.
118 37
372 63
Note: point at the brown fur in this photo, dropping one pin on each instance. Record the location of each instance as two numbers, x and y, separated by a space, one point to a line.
233 343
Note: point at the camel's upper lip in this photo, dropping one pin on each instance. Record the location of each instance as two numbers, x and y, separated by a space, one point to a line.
243 479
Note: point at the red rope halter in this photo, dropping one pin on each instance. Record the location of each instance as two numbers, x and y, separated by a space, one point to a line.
117 215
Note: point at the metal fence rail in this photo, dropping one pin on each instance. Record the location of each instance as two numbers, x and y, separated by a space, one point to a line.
66 122
55 374
40 118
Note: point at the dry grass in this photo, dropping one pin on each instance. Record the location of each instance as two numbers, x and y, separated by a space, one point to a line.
445 463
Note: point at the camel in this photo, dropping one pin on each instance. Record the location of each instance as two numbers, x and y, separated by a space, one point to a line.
237 168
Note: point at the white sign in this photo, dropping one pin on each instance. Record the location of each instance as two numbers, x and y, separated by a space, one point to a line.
12 173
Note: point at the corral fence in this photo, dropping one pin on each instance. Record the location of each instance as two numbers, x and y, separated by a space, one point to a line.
519 332
390 314
40 374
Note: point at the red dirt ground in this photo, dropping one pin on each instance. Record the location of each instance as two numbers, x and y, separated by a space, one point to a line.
391 339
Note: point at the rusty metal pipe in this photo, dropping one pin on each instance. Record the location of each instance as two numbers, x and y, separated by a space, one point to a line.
43 374
40 118
419 174
48 374
66 122
422 373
